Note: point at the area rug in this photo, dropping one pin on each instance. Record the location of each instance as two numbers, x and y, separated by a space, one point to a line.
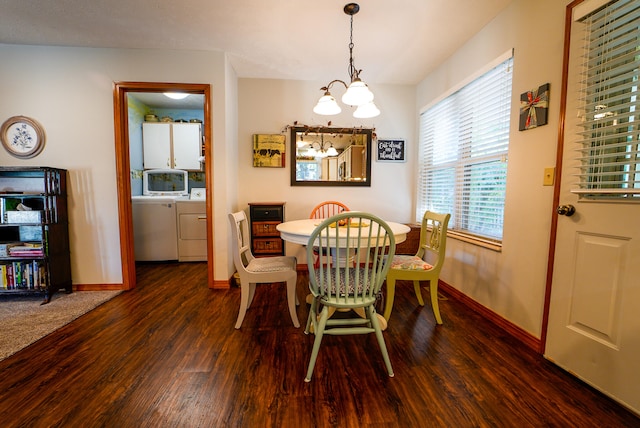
23 320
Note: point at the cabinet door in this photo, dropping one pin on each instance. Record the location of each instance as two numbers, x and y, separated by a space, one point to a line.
187 146
330 169
156 145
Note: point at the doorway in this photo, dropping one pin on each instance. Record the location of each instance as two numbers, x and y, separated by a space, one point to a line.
123 168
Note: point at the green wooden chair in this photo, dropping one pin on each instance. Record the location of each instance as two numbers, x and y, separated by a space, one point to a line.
348 278
424 266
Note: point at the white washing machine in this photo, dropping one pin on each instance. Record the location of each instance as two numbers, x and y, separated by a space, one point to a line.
155 231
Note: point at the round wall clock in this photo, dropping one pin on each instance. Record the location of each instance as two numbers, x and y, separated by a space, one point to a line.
22 137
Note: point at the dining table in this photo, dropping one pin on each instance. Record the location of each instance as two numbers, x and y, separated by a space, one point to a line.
299 232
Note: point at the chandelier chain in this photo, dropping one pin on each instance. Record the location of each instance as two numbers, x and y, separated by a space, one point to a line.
353 73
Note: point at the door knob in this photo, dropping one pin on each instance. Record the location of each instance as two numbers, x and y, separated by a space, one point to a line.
567 210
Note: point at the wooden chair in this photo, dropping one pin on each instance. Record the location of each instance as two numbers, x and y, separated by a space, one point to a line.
350 285
324 210
433 244
327 209
254 271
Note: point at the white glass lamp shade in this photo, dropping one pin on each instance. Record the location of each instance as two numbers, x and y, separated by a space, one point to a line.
357 94
331 151
366 111
327 105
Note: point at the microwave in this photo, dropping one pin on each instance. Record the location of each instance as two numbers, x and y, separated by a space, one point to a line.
165 182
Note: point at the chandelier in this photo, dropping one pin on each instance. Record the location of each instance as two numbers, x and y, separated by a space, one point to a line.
317 149
357 94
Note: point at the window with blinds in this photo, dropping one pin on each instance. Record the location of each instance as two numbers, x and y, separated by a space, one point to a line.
464 140
609 138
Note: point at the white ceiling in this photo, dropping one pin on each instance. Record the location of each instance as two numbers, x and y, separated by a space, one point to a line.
395 41
158 100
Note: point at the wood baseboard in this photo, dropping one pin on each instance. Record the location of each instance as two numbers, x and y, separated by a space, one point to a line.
526 338
221 284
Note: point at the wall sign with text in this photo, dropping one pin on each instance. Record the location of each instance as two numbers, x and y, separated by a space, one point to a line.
391 150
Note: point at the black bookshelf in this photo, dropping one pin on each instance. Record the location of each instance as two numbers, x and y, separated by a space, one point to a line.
34 231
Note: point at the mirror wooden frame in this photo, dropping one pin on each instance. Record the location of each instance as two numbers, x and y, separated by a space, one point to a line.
347 132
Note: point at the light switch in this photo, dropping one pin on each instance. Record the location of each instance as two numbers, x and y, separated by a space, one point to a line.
549 174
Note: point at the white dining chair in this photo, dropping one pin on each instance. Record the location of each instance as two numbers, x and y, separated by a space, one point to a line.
260 270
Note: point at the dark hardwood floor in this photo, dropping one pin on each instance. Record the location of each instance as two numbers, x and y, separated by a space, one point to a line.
166 355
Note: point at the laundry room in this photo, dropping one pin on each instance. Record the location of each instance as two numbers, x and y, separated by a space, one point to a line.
167 177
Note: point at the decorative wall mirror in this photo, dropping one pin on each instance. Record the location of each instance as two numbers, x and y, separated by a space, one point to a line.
330 156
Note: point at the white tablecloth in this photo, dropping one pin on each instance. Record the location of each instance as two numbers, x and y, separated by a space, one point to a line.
299 231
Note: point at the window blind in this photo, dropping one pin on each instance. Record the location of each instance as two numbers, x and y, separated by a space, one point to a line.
464 140
608 151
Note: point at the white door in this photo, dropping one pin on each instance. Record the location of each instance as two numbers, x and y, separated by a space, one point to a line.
594 314
187 146
594 317
156 145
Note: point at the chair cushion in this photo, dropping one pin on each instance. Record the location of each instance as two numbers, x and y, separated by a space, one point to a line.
342 276
409 263
270 264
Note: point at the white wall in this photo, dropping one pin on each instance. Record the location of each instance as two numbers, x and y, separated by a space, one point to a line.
70 92
268 106
225 188
512 282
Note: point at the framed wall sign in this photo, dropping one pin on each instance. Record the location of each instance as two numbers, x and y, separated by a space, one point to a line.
269 150
534 106
22 137
390 150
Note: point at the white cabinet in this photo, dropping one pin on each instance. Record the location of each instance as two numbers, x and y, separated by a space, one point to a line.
171 145
187 146
192 231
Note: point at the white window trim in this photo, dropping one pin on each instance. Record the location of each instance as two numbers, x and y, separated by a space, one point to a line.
486 242
497 61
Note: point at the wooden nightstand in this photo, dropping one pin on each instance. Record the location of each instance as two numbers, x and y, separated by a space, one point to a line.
265 238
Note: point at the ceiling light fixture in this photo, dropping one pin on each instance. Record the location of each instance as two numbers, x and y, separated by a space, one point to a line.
317 149
176 95
357 94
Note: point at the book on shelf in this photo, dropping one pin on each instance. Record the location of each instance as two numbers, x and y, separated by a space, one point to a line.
3 277
26 250
22 275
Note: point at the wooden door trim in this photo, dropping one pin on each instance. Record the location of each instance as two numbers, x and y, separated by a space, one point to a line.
558 176
123 167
